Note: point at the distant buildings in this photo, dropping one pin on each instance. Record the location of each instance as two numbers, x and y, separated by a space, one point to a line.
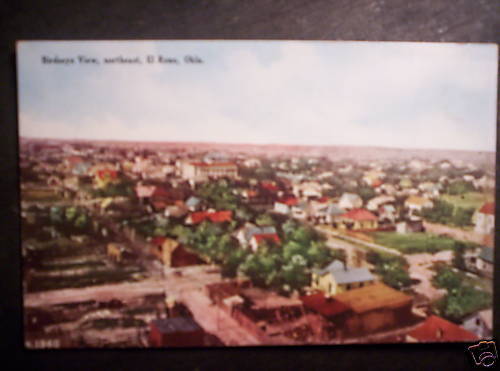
350 201
202 171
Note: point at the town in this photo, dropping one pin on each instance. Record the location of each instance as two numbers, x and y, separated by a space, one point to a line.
195 244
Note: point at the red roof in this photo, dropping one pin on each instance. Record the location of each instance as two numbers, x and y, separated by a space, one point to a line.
107 173
327 307
160 192
215 217
290 201
488 208
267 237
324 199
359 214
73 160
377 183
435 329
269 186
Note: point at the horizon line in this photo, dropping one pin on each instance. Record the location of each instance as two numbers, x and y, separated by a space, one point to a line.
256 144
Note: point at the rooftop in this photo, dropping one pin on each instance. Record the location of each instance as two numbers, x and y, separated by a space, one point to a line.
487 254
175 325
359 214
325 306
345 275
488 208
372 297
265 299
435 329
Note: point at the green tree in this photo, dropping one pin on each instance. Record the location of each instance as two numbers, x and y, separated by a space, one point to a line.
264 219
463 216
294 275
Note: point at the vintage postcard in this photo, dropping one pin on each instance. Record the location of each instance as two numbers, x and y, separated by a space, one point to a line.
249 193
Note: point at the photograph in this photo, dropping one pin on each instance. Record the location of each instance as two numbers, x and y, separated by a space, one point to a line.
216 193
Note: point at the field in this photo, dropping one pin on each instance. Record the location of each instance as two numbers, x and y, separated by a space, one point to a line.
413 243
468 200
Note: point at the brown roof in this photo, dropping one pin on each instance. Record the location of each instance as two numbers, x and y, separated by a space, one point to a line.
373 297
328 307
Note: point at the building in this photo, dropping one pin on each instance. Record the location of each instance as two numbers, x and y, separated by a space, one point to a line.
270 238
373 308
480 323
173 254
202 171
212 216
350 201
436 329
358 219
283 206
337 278
484 219
417 203
485 262
175 332
245 233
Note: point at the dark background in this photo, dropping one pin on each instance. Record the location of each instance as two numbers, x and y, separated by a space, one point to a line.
376 20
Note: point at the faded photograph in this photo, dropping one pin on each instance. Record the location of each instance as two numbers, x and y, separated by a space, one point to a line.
250 193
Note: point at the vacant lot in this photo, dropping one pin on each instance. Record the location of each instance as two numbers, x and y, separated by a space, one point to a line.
468 200
413 243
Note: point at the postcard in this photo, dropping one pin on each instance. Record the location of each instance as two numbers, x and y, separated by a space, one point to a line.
252 193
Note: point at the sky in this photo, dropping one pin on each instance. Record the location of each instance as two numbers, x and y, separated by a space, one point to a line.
403 95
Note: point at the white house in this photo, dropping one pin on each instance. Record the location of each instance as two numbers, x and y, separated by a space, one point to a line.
350 201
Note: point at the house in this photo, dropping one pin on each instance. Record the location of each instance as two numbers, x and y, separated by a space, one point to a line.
484 219
373 178
144 192
283 206
405 183
177 211
245 233
350 201
417 203
373 308
175 332
436 329
430 188
376 202
307 190
337 278
317 210
333 214
202 171
213 216
412 225
485 262
270 238
300 210
193 203
480 323
358 219
484 183
387 213
173 254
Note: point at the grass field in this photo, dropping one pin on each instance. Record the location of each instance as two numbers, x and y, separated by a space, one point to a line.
413 243
468 200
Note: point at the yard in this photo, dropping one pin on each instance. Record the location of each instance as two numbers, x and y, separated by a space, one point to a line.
468 200
413 243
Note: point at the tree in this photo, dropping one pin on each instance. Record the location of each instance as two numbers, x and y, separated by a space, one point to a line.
264 219
459 187
463 216
366 193
459 249
232 262
294 275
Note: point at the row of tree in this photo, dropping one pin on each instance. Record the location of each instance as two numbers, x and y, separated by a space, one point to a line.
445 213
